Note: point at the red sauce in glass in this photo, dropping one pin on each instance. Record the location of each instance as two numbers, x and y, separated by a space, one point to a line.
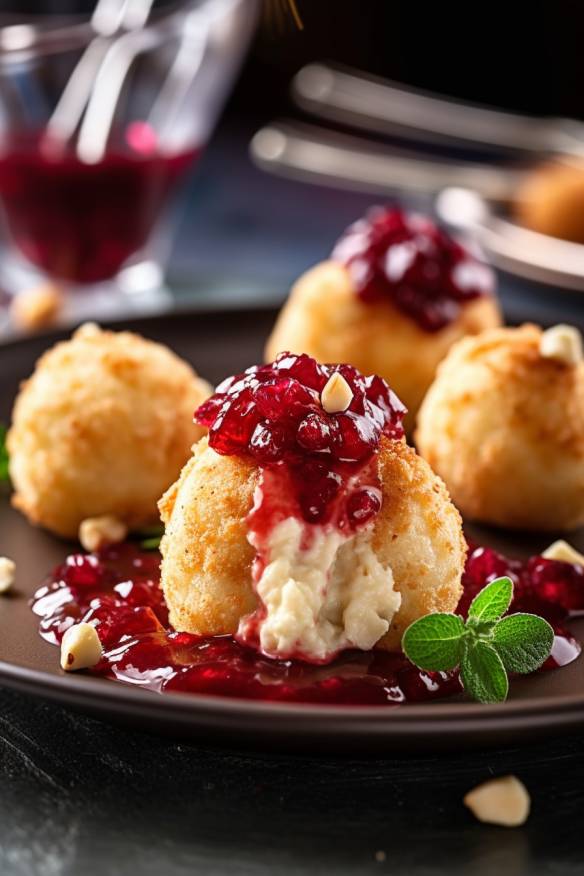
405 257
81 222
118 590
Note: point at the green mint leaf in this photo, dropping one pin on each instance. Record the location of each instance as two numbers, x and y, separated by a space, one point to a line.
434 642
492 601
483 674
3 454
523 642
151 544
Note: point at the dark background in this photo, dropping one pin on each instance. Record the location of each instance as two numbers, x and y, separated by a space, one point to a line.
520 56
524 56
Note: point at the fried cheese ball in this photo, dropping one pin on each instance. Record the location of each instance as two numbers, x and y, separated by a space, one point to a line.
103 426
325 318
551 200
207 559
503 425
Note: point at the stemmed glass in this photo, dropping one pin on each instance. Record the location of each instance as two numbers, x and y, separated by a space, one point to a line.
85 186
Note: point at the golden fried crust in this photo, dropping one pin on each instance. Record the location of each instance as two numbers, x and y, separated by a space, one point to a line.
504 428
102 427
418 532
206 558
206 567
551 200
326 319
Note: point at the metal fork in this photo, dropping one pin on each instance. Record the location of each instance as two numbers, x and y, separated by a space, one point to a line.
385 107
315 154
110 17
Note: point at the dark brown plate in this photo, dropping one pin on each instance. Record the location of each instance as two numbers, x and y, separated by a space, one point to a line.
218 344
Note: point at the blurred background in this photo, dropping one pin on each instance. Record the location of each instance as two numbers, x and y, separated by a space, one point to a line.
241 230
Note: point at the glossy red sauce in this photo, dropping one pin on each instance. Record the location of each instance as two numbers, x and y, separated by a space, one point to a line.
80 222
118 590
273 415
405 257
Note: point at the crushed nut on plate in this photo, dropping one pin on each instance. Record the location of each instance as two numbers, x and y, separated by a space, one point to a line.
97 532
80 648
7 574
504 801
563 552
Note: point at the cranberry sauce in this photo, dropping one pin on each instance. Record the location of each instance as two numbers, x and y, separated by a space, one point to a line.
118 590
405 257
550 588
273 414
80 222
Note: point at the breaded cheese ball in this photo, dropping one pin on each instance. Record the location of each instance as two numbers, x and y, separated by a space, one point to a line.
503 425
103 426
207 559
551 200
325 318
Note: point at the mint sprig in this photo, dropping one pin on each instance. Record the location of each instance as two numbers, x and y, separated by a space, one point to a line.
485 647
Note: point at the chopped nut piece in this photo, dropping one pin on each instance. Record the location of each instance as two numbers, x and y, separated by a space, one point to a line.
7 573
564 552
503 801
80 648
563 343
37 307
88 330
336 395
96 532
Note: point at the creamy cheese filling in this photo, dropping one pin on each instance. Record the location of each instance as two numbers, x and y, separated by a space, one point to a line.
322 591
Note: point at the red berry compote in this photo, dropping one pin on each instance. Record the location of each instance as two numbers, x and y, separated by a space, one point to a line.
408 259
118 591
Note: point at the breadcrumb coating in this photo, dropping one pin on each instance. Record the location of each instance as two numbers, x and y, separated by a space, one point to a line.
103 426
504 427
206 566
326 319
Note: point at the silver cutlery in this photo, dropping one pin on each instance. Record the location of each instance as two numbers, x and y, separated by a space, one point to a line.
385 107
316 155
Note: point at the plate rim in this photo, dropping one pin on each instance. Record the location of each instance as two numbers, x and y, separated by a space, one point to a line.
436 720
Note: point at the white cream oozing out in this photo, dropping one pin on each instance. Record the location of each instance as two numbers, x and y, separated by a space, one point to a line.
322 591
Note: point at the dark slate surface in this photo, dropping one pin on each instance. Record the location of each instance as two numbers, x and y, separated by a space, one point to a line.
83 797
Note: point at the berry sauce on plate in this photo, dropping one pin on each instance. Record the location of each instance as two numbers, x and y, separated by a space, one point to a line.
118 591
405 257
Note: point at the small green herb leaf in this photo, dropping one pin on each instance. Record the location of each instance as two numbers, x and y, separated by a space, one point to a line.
493 601
523 642
434 642
3 455
483 674
151 544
